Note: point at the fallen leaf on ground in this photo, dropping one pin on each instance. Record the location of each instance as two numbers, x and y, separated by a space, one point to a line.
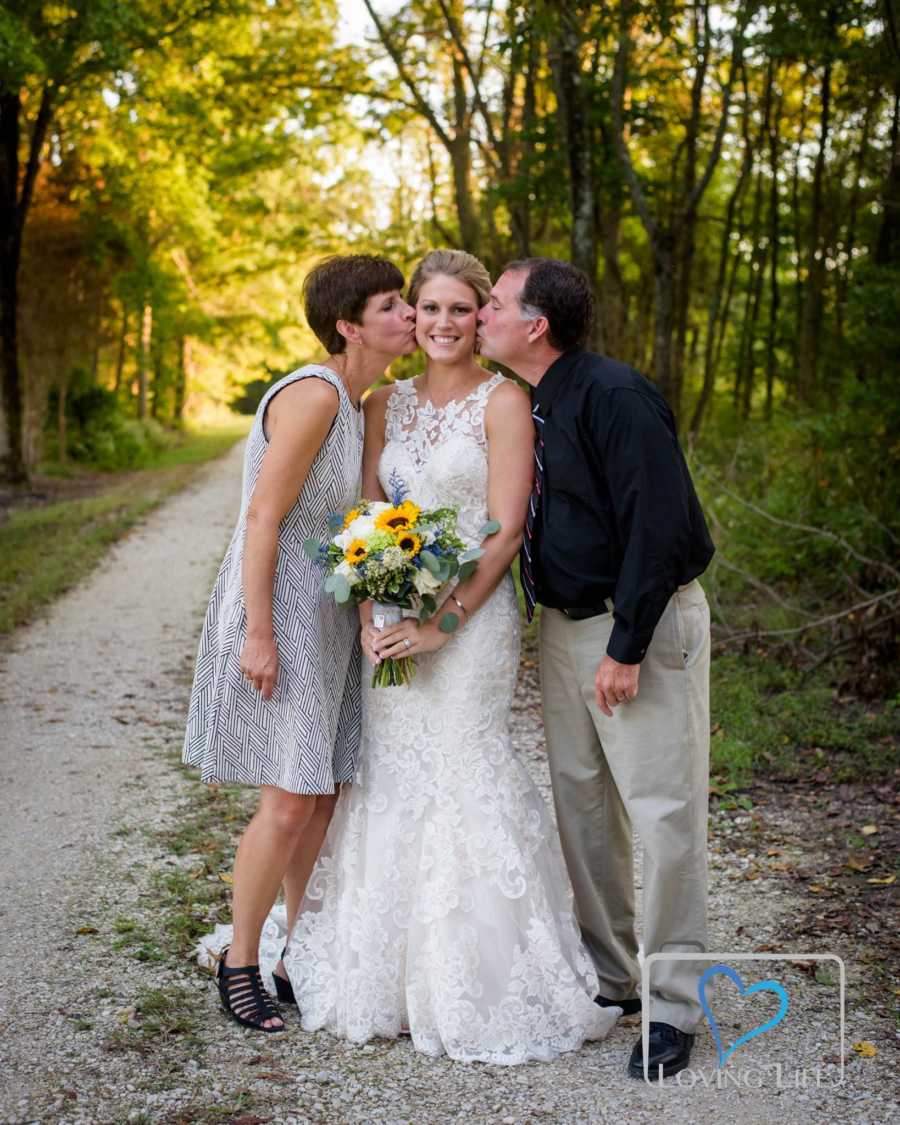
82 930
226 876
865 1049
886 882
869 829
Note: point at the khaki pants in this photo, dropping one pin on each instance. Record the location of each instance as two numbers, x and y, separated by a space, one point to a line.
647 767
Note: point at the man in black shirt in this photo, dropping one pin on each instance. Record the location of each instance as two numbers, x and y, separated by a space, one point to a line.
614 542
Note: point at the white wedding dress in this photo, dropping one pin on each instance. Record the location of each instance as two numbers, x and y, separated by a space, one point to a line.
440 901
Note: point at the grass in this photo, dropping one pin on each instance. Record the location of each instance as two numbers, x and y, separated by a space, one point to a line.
768 718
157 1016
46 550
191 900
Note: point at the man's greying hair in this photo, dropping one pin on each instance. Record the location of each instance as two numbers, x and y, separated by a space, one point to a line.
562 293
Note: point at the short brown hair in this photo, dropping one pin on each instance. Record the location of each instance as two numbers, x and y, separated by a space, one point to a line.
338 289
460 264
562 293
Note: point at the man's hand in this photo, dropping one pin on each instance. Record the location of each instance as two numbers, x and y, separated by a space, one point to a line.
615 683
259 664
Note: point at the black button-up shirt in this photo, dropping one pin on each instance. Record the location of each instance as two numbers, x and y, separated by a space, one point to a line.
618 515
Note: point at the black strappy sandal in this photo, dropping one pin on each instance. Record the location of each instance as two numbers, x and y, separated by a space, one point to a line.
245 999
283 987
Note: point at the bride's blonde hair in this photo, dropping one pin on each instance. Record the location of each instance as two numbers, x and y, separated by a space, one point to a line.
451 263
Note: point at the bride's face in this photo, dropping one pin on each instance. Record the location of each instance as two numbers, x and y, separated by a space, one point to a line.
446 313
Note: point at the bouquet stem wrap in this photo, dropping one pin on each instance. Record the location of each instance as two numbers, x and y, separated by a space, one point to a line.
390 672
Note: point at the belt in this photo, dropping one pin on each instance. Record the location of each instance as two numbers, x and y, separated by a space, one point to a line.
580 614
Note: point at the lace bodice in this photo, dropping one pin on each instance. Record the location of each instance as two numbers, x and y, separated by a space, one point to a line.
440 452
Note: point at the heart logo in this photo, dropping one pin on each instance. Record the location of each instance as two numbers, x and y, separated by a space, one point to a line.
763 986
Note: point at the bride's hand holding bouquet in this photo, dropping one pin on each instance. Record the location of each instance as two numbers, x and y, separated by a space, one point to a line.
399 557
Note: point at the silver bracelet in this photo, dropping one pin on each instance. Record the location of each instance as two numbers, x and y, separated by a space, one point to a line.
459 603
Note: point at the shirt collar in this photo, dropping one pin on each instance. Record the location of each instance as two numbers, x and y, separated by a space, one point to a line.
553 380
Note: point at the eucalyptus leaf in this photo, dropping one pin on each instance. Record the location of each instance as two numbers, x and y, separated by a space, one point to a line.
423 615
443 573
449 623
341 589
453 565
312 548
431 562
429 603
467 570
470 555
331 582
490 528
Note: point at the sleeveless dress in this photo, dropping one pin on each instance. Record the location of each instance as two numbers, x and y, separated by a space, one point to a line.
440 901
306 737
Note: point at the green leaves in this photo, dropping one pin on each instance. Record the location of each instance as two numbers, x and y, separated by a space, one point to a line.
338 585
490 528
312 548
449 622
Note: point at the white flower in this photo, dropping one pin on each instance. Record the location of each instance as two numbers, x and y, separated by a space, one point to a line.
361 528
345 570
425 582
394 559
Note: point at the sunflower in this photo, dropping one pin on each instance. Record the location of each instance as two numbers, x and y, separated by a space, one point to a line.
395 519
409 542
411 510
351 516
356 552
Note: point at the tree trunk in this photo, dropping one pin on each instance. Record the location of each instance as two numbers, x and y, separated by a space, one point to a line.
144 359
887 252
811 320
61 435
574 120
181 379
120 358
774 239
664 309
14 469
723 287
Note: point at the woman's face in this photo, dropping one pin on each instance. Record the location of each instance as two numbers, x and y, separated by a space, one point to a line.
388 325
446 312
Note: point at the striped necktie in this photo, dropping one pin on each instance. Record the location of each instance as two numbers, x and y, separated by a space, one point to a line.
526 567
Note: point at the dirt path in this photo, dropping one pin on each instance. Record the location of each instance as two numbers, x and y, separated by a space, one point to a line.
102 1023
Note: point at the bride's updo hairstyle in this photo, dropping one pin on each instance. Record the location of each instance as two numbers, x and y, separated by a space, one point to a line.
463 266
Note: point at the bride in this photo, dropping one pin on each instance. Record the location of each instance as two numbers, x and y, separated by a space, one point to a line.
440 904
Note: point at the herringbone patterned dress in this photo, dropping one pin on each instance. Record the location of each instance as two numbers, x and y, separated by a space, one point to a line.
306 737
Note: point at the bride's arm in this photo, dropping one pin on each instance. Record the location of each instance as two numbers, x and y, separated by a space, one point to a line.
374 409
510 436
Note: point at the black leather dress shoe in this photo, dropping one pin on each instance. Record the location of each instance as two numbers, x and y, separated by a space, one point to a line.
668 1048
629 1007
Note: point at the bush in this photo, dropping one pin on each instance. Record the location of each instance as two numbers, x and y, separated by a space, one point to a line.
100 433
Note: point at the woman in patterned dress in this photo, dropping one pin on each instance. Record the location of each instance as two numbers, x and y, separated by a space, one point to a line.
276 696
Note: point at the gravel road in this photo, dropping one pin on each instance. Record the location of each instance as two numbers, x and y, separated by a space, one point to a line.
92 699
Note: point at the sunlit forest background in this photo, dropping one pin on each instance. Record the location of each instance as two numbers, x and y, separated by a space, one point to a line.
727 174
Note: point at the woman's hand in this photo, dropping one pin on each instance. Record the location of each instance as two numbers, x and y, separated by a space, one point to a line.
369 637
259 664
392 643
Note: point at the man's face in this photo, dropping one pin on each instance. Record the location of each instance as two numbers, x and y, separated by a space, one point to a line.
502 330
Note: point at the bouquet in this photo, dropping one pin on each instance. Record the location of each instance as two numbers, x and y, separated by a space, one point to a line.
398 556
